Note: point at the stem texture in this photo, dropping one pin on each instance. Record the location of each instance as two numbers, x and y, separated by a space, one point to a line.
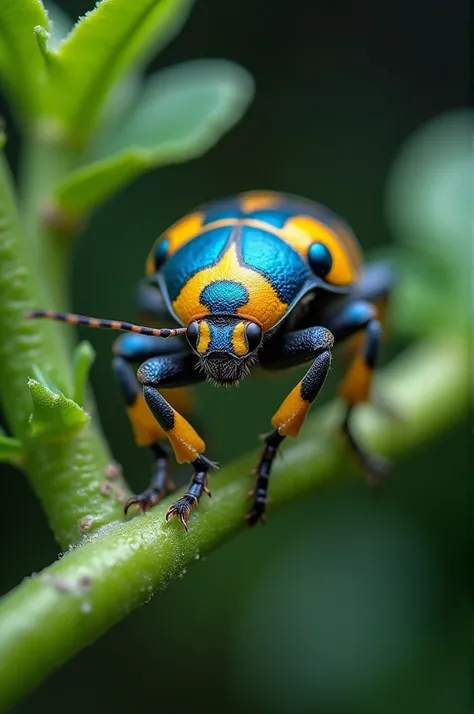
67 475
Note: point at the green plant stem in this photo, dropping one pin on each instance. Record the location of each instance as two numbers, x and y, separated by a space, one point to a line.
68 475
54 614
45 161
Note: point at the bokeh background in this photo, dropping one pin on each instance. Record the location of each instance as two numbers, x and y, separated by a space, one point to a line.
342 604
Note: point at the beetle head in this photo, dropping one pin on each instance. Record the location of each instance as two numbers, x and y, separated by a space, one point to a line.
226 346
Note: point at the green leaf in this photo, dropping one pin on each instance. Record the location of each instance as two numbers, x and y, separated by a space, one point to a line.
11 450
54 415
83 359
429 190
183 112
21 62
429 198
105 44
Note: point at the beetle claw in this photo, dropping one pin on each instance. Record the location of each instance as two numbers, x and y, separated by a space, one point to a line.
256 515
181 509
145 500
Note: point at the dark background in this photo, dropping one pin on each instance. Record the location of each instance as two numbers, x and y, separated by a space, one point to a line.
338 606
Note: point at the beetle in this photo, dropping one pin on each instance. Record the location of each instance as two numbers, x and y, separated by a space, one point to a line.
258 278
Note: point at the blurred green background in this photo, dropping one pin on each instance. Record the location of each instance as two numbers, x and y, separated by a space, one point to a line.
343 604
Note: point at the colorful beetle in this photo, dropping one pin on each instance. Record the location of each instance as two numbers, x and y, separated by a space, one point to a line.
262 278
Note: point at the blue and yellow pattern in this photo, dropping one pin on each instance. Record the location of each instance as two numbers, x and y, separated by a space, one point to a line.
247 257
229 273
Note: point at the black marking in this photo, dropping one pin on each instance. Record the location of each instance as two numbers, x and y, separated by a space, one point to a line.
315 377
161 253
320 259
192 333
253 333
159 407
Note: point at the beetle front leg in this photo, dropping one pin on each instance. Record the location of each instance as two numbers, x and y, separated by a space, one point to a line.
186 443
293 348
147 432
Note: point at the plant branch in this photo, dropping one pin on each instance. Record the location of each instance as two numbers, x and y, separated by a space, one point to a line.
53 615
66 474
46 161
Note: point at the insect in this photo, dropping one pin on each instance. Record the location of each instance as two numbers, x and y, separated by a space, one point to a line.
263 278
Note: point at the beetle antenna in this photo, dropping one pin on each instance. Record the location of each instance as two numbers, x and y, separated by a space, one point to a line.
73 319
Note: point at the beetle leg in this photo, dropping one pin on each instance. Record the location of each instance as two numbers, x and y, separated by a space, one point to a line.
183 506
186 443
359 316
147 431
293 348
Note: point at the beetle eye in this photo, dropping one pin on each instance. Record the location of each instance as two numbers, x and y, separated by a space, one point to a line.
253 334
320 259
192 334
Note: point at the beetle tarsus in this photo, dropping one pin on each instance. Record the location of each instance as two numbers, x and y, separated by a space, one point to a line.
199 485
145 500
181 509
256 514
260 490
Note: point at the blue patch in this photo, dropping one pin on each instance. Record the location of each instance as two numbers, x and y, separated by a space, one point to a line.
224 296
221 337
199 253
275 217
277 261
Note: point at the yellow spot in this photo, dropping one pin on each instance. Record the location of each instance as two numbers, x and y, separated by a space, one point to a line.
292 412
351 243
204 337
239 343
259 200
355 387
183 231
178 235
186 442
146 429
301 231
263 307
150 267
